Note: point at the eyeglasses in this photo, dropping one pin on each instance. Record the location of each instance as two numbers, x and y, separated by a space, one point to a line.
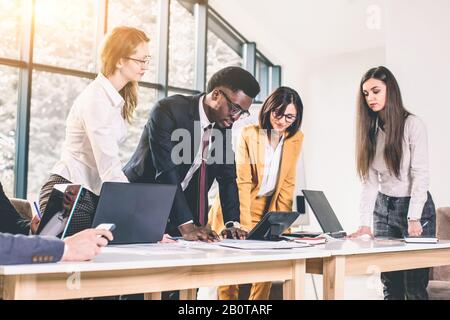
142 63
289 118
235 110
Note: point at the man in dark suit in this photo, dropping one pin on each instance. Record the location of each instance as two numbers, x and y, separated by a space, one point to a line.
187 142
18 249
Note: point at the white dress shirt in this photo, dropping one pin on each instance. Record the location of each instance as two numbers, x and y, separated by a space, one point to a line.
94 130
272 161
414 175
204 123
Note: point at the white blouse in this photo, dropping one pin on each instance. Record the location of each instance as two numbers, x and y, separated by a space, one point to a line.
272 161
94 130
414 174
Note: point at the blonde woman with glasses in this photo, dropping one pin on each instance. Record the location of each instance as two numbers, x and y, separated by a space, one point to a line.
96 125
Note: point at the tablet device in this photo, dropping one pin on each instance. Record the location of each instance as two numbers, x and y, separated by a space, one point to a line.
272 225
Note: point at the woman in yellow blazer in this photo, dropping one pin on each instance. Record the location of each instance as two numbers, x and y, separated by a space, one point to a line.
266 160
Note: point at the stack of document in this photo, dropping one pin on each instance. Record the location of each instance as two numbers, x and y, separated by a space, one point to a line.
421 240
260 244
311 241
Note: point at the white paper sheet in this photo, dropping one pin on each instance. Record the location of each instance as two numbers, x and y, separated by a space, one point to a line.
260 245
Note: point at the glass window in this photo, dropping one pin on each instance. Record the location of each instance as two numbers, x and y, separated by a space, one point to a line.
181 47
262 75
9 78
65 33
10 28
146 101
52 97
141 14
172 93
219 55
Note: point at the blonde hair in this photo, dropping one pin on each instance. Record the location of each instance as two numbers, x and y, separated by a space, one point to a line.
120 43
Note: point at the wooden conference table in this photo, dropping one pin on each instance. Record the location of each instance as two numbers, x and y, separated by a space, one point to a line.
153 268
365 257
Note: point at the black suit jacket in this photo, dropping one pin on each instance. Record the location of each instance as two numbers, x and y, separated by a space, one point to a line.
177 118
10 220
16 249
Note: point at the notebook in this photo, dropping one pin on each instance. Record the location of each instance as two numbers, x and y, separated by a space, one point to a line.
421 240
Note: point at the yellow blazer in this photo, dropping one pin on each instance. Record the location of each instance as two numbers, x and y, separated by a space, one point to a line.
250 154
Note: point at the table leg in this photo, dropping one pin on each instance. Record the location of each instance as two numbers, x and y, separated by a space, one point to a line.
333 278
189 294
152 296
294 289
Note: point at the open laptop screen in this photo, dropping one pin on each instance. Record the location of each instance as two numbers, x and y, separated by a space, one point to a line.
323 211
139 210
60 209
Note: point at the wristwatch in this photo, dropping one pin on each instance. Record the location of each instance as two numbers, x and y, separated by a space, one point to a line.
233 224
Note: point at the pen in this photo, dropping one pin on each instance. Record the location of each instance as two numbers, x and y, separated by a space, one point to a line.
37 210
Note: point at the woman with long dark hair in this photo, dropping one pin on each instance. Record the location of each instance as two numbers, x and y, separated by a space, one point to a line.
266 161
392 162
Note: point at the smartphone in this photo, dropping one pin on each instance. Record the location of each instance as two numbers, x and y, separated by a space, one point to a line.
106 226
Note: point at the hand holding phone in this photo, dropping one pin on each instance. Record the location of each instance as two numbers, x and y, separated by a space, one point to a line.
106 226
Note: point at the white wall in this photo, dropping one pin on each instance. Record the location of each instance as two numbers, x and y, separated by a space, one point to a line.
329 147
418 52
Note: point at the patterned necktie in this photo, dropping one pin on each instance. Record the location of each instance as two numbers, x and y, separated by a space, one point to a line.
202 176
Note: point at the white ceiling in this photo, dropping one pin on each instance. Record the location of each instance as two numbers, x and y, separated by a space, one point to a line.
288 30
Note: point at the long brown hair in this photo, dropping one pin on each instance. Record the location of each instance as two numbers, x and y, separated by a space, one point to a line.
120 43
366 125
